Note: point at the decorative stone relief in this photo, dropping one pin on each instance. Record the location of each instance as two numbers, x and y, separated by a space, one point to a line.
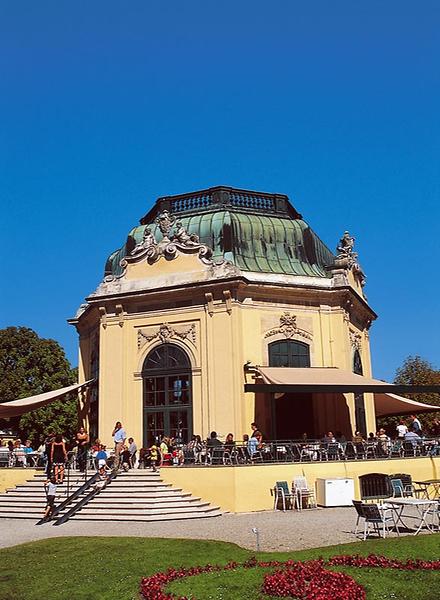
355 340
175 240
346 260
167 332
288 328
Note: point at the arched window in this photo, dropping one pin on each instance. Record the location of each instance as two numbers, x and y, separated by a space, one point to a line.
357 363
359 402
289 353
167 395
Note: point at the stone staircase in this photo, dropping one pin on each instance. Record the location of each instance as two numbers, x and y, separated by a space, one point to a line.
138 495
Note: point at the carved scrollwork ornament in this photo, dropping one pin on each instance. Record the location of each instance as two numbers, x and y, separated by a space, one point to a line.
165 333
288 328
175 240
356 340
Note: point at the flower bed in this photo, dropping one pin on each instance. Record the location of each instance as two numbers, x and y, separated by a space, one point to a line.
308 580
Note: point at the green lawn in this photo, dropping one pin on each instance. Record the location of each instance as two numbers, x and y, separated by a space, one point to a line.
99 568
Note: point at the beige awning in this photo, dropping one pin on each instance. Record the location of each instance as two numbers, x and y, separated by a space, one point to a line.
333 380
391 404
316 376
15 408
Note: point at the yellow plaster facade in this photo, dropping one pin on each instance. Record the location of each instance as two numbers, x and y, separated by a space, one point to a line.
10 478
229 488
166 288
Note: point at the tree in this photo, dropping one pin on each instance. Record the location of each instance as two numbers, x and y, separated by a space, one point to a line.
32 365
416 371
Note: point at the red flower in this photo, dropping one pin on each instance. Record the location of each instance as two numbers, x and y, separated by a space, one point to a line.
306 580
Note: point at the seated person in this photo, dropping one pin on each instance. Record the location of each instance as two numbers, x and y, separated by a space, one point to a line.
213 446
125 458
102 480
413 437
329 438
27 449
96 445
178 457
199 450
357 438
229 443
165 450
144 458
101 456
383 441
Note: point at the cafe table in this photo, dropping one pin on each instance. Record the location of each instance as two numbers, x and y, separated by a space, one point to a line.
423 507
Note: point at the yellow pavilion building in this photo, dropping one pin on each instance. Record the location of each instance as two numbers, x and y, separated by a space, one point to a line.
213 293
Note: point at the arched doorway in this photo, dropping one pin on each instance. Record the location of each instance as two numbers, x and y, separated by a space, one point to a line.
359 402
292 414
167 394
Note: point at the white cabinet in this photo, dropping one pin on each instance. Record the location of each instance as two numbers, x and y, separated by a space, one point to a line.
334 492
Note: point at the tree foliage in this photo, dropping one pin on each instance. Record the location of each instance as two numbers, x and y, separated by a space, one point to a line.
416 371
32 365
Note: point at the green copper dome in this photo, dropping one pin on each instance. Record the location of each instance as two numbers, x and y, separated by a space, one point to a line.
255 231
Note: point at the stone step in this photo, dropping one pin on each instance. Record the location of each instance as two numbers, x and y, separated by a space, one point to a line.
110 507
170 496
36 516
132 496
215 512
105 501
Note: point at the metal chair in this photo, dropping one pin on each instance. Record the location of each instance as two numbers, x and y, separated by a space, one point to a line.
397 485
379 519
358 504
361 450
333 451
407 483
371 450
281 492
395 449
350 451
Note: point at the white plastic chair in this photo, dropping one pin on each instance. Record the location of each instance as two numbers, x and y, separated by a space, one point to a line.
304 495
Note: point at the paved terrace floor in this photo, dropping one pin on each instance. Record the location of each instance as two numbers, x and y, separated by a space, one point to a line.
283 531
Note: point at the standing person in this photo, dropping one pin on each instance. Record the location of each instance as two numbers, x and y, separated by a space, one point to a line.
416 426
256 433
82 442
59 457
51 491
132 448
48 452
154 456
401 429
119 437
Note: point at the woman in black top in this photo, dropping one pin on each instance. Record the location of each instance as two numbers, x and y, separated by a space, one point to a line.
59 457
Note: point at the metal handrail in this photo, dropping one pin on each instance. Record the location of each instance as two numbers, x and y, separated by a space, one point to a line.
61 520
70 498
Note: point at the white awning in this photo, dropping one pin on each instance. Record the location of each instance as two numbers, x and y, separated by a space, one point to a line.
15 408
333 380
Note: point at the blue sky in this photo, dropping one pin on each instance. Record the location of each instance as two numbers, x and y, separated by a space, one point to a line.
107 105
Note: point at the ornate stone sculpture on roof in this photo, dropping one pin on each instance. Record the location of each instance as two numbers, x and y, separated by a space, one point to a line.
347 260
346 245
175 239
